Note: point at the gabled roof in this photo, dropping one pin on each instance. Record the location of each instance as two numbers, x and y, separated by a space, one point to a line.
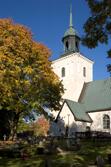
96 95
78 110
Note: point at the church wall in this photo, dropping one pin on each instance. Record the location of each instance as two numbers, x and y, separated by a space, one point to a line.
66 118
74 79
97 118
81 126
81 63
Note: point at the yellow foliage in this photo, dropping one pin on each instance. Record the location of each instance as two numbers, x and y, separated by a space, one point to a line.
25 69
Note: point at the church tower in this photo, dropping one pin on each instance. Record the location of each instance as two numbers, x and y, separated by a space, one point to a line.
71 39
73 68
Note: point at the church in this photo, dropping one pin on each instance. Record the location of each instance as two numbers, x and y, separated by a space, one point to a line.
86 103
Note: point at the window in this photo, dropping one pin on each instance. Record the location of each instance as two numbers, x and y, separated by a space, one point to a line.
67 45
76 45
106 122
63 72
84 71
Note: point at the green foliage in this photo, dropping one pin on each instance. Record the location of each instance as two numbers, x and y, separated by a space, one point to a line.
98 26
23 126
26 75
27 80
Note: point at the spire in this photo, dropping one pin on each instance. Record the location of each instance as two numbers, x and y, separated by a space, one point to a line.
71 39
70 24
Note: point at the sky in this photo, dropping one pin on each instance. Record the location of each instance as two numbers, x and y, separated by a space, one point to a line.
49 19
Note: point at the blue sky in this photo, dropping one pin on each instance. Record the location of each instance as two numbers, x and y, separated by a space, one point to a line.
49 19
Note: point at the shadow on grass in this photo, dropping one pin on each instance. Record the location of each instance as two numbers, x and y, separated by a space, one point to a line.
17 162
53 161
78 158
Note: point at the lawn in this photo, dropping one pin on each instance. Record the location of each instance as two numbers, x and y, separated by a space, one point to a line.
81 157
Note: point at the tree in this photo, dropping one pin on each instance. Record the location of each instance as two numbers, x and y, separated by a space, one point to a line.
23 126
6 117
41 126
98 27
27 81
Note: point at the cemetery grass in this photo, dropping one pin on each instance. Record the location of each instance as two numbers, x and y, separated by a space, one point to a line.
80 158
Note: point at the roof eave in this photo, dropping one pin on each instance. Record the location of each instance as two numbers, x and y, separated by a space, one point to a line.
90 121
99 110
76 119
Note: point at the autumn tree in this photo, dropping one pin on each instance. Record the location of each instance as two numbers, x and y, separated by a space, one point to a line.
27 81
41 127
98 26
23 126
6 117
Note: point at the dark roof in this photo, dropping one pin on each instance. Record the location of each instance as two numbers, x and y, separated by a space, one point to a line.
96 95
70 32
78 110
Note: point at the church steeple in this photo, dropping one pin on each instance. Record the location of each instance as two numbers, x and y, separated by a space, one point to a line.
70 23
71 39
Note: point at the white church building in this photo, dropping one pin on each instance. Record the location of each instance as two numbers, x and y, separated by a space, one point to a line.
87 103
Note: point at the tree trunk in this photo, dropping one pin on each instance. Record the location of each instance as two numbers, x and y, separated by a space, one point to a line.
14 124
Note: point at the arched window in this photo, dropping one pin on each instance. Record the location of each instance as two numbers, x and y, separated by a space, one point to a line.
63 72
106 122
76 45
67 45
84 71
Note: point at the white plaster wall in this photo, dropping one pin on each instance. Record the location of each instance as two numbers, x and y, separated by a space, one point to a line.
66 118
74 79
97 118
81 126
77 126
